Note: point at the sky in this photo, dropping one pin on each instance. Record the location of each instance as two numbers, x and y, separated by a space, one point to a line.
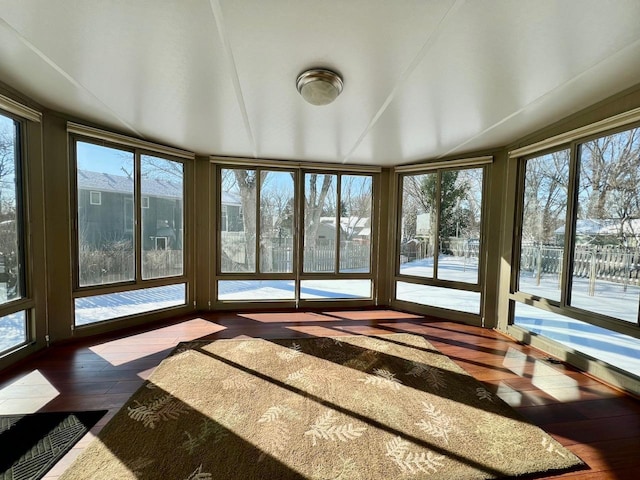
97 158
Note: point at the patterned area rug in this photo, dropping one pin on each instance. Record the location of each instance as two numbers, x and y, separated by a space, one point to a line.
390 406
32 444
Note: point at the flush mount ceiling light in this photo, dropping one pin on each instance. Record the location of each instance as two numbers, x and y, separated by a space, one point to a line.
319 86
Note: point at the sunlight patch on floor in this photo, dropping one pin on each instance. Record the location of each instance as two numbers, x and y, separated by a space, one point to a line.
28 394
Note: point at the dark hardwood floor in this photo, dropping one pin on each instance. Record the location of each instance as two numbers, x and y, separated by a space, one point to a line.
598 423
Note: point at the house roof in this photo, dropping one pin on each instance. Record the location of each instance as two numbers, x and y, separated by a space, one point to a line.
588 226
230 198
151 187
107 182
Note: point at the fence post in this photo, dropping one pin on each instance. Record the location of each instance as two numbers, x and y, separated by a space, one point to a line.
592 275
539 262
559 262
626 271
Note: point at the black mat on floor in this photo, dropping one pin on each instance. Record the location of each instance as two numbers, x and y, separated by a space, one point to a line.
30 445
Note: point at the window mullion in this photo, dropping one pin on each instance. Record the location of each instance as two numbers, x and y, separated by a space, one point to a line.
338 236
566 279
298 229
258 216
137 216
436 242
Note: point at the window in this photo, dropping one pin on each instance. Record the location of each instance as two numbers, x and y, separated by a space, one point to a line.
128 215
264 251
162 224
606 241
95 198
440 233
337 223
13 319
224 227
137 234
579 245
257 221
544 215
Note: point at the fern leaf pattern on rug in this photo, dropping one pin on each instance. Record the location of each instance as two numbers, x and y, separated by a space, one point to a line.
436 424
160 409
382 379
324 428
275 433
329 408
412 462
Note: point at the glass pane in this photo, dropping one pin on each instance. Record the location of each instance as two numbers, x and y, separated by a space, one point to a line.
543 224
277 209
10 244
334 289
256 290
162 217
605 275
614 348
238 204
460 220
320 229
115 305
356 193
449 298
105 228
418 226
13 330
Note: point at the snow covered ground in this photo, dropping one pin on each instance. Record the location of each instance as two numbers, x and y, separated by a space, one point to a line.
285 289
12 331
114 305
609 299
614 348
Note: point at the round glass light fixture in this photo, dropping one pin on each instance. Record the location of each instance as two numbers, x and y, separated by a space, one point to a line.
319 86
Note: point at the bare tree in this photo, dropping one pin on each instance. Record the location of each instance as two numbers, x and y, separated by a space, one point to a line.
355 203
545 196
604 167
317 190
7 170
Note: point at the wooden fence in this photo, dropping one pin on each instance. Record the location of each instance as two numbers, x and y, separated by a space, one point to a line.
609 263
416 249
98 267
321 258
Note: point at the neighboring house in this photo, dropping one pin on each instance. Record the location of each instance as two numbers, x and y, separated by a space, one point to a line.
603 232
351 229
231 215
105 211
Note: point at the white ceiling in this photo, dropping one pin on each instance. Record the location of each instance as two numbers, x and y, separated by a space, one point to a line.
423 79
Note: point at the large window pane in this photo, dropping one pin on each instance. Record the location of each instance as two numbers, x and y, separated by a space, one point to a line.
460 220
614 348
356 193
543 224
162 217
606 257
334 289
276 221
10 215
256 290
238 220
105 214
321 231
449 298
418 227
99 308
13 330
